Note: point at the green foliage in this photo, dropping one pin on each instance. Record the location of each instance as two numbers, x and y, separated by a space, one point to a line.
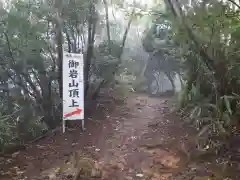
7 134
31 36
209 54
112 48
107 59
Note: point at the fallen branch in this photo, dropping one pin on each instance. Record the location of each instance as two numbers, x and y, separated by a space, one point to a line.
153 146
48 133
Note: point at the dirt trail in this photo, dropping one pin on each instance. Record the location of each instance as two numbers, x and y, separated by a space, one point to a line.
122 144
139 125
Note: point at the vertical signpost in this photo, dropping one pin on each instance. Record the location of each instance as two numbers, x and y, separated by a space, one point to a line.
73 88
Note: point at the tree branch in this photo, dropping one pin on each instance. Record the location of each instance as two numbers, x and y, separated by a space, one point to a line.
198 48
232 1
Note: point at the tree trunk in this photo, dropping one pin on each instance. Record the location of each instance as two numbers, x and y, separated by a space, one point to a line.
91 35
115 70
181 80
59 54
126 33
47 102
97 90
68 40
107 23
171 79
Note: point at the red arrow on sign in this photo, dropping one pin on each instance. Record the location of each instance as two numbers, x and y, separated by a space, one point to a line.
77 111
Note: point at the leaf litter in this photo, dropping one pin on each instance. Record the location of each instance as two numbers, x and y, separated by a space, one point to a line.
119 148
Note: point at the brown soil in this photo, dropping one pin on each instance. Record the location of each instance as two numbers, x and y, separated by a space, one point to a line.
138 140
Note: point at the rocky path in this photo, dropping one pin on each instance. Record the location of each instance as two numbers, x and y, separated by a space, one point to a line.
140 140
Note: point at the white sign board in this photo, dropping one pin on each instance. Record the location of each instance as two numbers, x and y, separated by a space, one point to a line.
73 88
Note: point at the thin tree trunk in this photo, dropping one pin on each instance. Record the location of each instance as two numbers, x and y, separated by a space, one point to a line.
60 58
124 41
91 34
126 33
68 40
107 23
171 79
47 101
181 80
59 42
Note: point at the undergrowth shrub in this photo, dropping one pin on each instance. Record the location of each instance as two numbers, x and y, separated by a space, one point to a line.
7 135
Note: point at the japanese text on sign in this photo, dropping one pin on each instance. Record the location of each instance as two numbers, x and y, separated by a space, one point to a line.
73 88
73 84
